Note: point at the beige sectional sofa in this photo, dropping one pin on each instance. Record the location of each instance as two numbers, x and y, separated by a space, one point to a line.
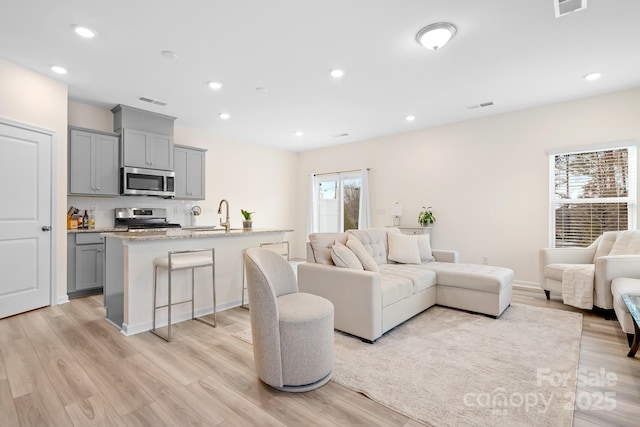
383 278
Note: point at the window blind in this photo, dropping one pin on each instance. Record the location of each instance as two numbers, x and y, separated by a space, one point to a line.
592 192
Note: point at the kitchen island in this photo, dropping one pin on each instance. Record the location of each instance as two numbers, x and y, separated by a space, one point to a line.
128 290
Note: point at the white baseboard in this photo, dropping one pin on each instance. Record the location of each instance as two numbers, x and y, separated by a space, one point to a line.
522 284
128 330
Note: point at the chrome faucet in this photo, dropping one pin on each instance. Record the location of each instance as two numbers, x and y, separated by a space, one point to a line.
227 223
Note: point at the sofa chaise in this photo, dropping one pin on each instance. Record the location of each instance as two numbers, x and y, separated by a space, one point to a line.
379 278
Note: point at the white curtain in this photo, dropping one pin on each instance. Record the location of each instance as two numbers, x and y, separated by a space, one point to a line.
312 205
364 217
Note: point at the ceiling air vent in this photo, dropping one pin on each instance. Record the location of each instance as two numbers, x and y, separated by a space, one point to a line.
564 7
482 105
152 101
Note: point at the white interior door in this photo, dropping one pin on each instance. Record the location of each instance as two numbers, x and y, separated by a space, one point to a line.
25 219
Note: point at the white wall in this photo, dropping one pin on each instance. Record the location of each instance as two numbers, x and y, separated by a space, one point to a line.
90 116
486 179
35 99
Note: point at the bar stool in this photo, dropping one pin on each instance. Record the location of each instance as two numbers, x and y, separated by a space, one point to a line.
183 260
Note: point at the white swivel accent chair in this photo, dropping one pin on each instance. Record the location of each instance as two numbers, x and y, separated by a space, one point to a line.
292 331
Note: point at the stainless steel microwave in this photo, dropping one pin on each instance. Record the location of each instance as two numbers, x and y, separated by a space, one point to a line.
147 182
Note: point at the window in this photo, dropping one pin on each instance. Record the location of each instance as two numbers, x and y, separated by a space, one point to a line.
591 192
338 202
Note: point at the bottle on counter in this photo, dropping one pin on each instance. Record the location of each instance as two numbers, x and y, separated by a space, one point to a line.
79 220
85 220
92 220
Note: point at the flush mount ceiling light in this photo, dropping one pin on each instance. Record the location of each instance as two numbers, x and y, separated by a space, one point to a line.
58 69
336 73
436 35
85 32
215 85
299 133
410 118
592 76
224 116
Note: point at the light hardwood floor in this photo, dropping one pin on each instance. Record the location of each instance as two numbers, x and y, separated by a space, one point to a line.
64 366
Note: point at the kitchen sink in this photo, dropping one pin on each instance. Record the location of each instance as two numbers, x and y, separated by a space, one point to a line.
202 228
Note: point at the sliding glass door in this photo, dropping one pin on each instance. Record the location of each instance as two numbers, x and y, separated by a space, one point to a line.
338 201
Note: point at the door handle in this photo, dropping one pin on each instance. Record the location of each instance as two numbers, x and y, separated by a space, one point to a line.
46 228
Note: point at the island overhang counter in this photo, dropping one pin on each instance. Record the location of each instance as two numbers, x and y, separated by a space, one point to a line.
128 289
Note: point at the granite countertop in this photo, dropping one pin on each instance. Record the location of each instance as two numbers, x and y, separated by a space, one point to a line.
190 234
97 230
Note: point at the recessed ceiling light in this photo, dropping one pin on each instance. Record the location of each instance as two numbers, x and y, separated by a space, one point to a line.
224 116
299 133
436 35
336 73
58 69
85 32
169 54
215 85
592 76
410 118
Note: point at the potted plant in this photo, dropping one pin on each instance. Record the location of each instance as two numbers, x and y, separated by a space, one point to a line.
426 217
248 218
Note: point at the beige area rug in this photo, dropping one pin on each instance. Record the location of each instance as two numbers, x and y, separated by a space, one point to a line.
447 367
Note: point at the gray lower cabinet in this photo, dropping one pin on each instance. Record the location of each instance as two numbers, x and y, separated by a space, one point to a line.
85 264
190 172
148 150
93 163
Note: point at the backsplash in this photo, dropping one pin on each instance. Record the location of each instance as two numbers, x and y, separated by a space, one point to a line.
178 211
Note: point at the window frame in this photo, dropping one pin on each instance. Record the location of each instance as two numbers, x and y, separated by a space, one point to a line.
632 195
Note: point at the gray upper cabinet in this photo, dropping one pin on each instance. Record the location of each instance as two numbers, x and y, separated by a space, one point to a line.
147 138
93 162
190 172
148 150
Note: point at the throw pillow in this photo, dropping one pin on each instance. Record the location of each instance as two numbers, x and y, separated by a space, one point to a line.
321 244
358 248
424 245
627 243
343 257
403 248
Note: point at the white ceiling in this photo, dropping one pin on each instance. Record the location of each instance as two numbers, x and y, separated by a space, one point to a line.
514 53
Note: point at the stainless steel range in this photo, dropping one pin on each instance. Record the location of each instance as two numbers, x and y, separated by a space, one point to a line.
139 219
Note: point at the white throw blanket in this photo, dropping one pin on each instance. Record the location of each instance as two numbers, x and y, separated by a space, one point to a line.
577 286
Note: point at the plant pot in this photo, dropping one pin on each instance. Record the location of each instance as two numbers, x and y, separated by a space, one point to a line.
247 225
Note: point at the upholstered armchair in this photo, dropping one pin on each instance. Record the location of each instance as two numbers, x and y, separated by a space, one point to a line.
292 331
608 263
